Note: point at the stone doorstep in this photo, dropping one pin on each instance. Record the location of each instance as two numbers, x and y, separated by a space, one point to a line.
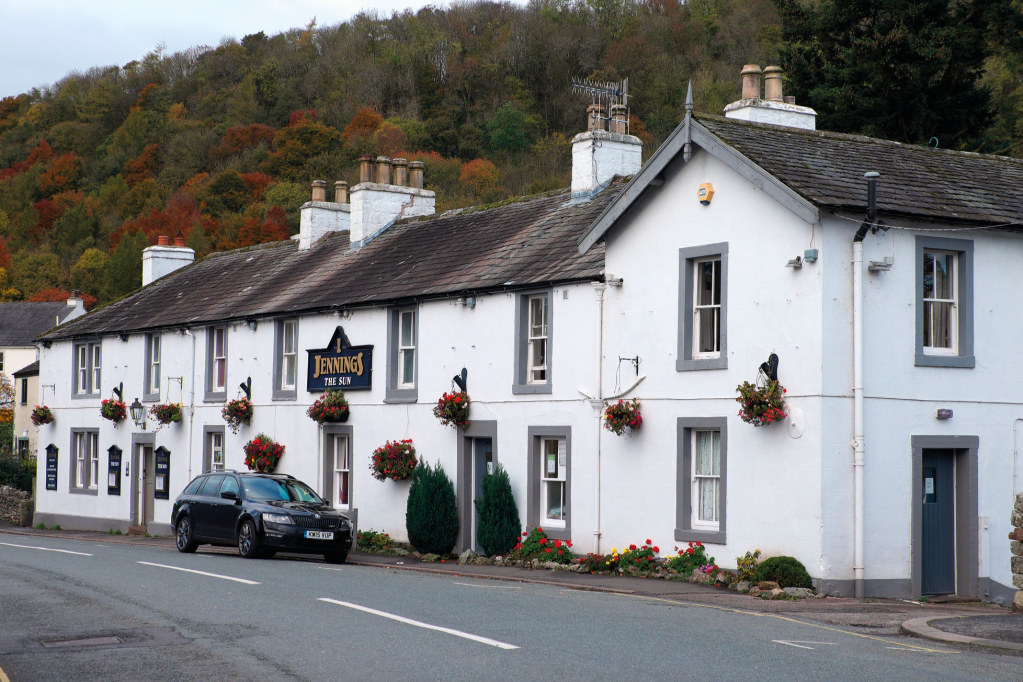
137 530
918 627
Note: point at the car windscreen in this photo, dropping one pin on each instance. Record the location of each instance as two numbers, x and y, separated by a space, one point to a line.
275 490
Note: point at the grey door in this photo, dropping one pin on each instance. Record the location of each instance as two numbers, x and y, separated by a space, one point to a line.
938 572
482 464
149 483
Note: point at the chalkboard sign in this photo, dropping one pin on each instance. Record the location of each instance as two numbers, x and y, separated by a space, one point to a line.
161 489
51 467
114 471
340 366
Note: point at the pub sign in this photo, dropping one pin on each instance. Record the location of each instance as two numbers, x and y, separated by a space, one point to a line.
51 467
340 366
114 470
161 487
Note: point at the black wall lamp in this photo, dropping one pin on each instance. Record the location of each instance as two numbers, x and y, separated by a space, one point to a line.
138 414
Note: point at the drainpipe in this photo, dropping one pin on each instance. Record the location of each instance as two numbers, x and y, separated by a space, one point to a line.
191 401
1014 455
858 449
597 404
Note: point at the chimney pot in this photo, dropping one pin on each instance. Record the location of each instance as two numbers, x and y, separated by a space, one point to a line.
790 99
179 239
772 84
595 117
400 171
751 81
365 168
75 293
340 192
619 118
319 190
163 240
416 174
383 170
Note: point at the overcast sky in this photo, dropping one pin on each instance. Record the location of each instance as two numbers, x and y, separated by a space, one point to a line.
42 40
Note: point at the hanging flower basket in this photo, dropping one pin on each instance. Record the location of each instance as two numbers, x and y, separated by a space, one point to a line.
42 415
621 416
393 460
761 405
453 410
330 408
114 410
166 414
262 454
237 412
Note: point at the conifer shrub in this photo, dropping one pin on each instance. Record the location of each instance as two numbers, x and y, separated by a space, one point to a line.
784 570
431 517
497 529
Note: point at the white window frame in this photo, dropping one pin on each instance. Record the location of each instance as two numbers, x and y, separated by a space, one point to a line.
953 315
532 340
216 451
289 357
559 479
82 368
93 441
96 354
697 522
81 472
342 467
698 307
155 353
406 322
218 380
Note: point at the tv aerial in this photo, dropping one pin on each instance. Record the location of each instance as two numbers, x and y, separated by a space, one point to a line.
609 104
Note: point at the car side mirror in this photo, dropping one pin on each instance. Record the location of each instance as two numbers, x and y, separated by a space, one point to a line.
230 495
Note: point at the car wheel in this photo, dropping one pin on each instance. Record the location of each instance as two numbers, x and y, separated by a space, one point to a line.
184 539
335 557
248 540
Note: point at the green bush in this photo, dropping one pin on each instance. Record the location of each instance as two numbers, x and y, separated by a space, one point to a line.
431 517
498 527
17 472
784 570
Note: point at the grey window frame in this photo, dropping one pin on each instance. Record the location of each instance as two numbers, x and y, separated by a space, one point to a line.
393 394
330 433
91 392
684 531
279 393
686 291
2 360
210 395
207 447
148 378
72 483
520 384
534 471
963 248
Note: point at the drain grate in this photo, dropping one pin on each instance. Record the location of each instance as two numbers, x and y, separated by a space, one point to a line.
88 641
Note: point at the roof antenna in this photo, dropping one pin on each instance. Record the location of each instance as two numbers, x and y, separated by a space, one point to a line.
687 150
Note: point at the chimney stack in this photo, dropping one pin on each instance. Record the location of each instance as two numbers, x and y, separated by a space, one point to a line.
751 81
78 303
340 192
400 172
161 260
365 168
599 154
319 216
774 108
377 202
319 190
772 84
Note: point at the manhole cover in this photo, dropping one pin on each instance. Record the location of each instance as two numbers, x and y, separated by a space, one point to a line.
88 641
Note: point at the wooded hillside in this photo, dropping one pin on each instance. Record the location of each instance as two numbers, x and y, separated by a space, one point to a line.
221 143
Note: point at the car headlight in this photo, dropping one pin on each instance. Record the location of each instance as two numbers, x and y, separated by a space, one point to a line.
282 519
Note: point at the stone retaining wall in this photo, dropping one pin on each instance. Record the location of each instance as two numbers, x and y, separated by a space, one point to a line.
1016 547
13 504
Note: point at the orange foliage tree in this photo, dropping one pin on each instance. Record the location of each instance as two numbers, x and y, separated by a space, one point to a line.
480 176
58 295
296 144
142 166
363 124
256 184
239 138
389 138
63 174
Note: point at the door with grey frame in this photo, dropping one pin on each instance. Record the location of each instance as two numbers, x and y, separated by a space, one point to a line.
938 546
482 465
143 485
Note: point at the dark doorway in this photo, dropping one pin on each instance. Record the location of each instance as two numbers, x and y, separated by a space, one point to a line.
483 464
938 537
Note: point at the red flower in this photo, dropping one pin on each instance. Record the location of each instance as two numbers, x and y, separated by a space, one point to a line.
548 550
568 542
648 541
632 547
543 541
699 544
525 534
689 551
657 550
518 546
557 543
560 551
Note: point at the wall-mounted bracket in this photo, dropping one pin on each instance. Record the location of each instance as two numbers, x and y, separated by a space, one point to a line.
246 387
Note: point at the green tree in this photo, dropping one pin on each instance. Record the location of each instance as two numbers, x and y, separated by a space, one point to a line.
507 130
87 273
32 272
431 516
497 525
124 267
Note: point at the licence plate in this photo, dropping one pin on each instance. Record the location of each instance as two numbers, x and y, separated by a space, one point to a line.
319 535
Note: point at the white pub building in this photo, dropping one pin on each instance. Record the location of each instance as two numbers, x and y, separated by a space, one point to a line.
896 333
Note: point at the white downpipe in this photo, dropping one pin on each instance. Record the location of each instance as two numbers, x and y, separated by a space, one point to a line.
1014 455
191 402
598 287
858 449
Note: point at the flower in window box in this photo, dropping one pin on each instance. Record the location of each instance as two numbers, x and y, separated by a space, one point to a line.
453 410
42 415
237 412
621 416
761 405
329 408
166 414
393 460
114 410
262 454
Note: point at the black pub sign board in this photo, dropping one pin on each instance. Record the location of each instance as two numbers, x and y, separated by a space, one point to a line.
340 366
51 467
161 489
114 471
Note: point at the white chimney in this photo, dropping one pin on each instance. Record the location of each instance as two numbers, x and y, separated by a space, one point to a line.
598 155
319 216
376 205
78 303
773 108
163 259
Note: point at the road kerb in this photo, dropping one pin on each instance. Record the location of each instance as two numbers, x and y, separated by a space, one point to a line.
918 627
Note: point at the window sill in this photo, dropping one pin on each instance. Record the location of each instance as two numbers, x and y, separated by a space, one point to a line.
925 360
526 389
85 396
401 395
708 537
215 397
553 533
83 491
151 398
720 362
285 394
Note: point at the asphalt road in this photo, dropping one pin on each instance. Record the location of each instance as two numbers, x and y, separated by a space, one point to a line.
227 618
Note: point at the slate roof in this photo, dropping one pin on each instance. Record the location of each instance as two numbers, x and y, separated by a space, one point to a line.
827 169
515 245
28 370
21 323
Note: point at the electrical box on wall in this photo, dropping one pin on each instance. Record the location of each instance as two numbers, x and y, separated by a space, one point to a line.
705 193
810 256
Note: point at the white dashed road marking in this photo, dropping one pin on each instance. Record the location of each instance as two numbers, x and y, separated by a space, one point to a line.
45 549
211 575
799 644
496 587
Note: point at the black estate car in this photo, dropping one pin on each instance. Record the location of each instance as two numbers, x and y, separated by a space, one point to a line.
260 514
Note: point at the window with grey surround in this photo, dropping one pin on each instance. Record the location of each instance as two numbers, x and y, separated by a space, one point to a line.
84 461
285 385
154 351
701 479
944 302
87 369
402 355
533 333
703 307
549 496
338 471
216 364
24 391
213 448
1 361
